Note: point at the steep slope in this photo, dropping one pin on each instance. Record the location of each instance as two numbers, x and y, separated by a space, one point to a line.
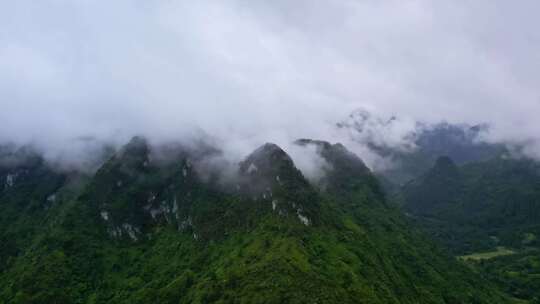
346 171
144 231
29 190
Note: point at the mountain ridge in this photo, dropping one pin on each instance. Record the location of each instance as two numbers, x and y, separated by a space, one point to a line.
165 235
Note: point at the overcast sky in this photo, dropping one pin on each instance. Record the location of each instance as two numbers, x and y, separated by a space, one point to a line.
255 71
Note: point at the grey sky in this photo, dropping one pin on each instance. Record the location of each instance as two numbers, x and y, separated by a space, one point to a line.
254 71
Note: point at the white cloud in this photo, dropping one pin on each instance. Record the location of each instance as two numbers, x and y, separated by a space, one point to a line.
248 72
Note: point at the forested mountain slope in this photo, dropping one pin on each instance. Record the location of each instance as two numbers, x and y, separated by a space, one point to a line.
489 212
479 205
143 230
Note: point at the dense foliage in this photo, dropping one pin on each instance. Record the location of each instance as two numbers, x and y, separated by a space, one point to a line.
478 208
140 231
518 274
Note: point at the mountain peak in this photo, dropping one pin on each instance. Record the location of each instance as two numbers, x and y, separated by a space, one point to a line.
138 145
269 173
347 170
138 231
267 160
438 187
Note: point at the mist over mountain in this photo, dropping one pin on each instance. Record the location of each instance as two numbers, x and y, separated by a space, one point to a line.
141 230
397 149
269 152
247 74
405 149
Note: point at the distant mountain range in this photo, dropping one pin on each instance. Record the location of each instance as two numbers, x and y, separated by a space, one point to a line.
413 147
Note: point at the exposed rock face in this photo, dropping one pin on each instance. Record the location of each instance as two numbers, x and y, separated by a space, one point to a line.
135 192
25 177
270 174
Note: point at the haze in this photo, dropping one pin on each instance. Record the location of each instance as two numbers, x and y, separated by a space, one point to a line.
248 72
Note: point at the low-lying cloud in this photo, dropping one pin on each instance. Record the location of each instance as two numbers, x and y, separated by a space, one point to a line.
248 72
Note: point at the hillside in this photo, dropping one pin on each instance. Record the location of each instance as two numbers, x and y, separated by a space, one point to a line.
489 212
480 205
143 230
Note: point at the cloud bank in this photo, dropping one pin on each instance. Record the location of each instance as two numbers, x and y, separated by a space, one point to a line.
248 72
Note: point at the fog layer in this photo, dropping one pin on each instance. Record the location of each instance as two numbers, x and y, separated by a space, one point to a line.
247 72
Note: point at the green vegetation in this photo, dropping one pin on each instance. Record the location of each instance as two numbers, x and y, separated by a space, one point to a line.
479 206
486 213
518 274
500 251
140 232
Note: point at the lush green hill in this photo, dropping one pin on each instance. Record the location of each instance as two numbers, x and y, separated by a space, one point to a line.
144 230
489 211
518 273
478 206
